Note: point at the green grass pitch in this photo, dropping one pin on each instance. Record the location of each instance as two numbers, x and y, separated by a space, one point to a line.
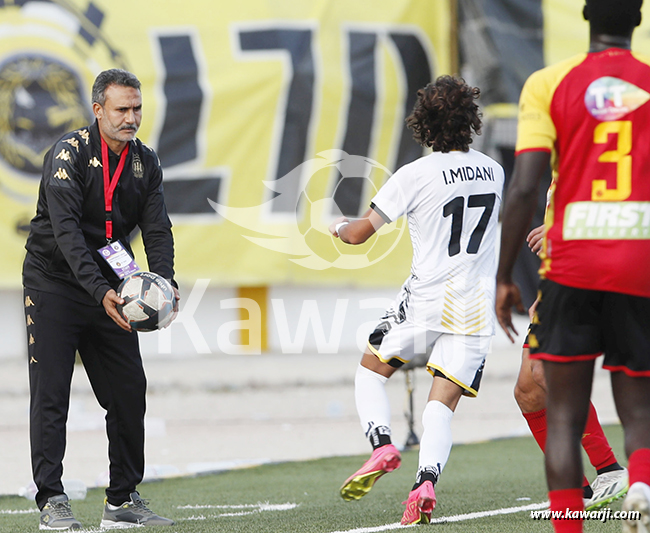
303 497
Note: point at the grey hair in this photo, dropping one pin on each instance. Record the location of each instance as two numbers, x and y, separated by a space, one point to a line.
114 76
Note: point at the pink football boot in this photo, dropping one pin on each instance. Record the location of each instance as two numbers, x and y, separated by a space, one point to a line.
419 505
383 460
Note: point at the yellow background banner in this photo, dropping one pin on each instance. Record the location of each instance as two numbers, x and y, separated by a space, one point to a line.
269 117
566 32
237 95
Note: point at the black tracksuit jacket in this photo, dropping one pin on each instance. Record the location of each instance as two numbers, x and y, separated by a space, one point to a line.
70 222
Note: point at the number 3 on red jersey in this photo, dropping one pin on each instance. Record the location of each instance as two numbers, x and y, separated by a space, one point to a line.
621 156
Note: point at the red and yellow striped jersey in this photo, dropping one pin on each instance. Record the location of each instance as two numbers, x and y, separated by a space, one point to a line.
592 113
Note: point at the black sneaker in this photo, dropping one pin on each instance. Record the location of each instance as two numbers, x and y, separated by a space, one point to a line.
133 513
57 514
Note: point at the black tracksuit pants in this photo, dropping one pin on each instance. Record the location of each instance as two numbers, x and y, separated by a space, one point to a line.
56 328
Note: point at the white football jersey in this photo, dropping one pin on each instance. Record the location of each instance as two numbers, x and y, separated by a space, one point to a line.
452 203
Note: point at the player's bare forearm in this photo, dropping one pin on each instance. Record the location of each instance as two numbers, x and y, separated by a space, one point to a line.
517 215
356 231
519 208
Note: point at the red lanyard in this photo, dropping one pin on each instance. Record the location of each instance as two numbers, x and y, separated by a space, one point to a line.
110 184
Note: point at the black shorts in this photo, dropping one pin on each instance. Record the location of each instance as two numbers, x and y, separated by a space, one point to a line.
578 324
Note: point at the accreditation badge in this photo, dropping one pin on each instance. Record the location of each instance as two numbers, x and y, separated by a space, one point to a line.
119 259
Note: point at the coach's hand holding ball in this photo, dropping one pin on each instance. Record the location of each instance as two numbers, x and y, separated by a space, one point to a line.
144 301
110 302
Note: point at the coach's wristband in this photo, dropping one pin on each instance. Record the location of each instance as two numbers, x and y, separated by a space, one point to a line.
338 227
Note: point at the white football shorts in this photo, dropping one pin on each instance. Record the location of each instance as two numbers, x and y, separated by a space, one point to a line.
458 358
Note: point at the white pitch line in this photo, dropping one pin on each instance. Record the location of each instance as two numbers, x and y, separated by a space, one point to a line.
266 506
18 511
495 512
240 506
453 518
386 527
249 509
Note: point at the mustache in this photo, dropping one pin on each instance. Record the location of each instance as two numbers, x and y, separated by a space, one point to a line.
130 128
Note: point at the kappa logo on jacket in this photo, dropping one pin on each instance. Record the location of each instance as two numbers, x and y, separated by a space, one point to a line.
72 142
62 174
85 135
64 155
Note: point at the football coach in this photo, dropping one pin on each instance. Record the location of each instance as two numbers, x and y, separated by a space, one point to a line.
99 184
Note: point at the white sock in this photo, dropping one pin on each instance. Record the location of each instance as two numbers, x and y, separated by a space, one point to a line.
371 399
435 443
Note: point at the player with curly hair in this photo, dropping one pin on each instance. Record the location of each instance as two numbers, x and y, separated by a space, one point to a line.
445 115
451 198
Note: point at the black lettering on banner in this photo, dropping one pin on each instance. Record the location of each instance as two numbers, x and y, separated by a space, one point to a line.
455 208
184 98
297 103
186 193
178 143
95 17
360 118
417 72
188 196
414 67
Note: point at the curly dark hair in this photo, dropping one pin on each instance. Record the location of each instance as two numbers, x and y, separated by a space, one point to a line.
445 114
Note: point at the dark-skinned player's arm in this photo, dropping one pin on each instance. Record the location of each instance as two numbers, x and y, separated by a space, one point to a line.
518 211
357 231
